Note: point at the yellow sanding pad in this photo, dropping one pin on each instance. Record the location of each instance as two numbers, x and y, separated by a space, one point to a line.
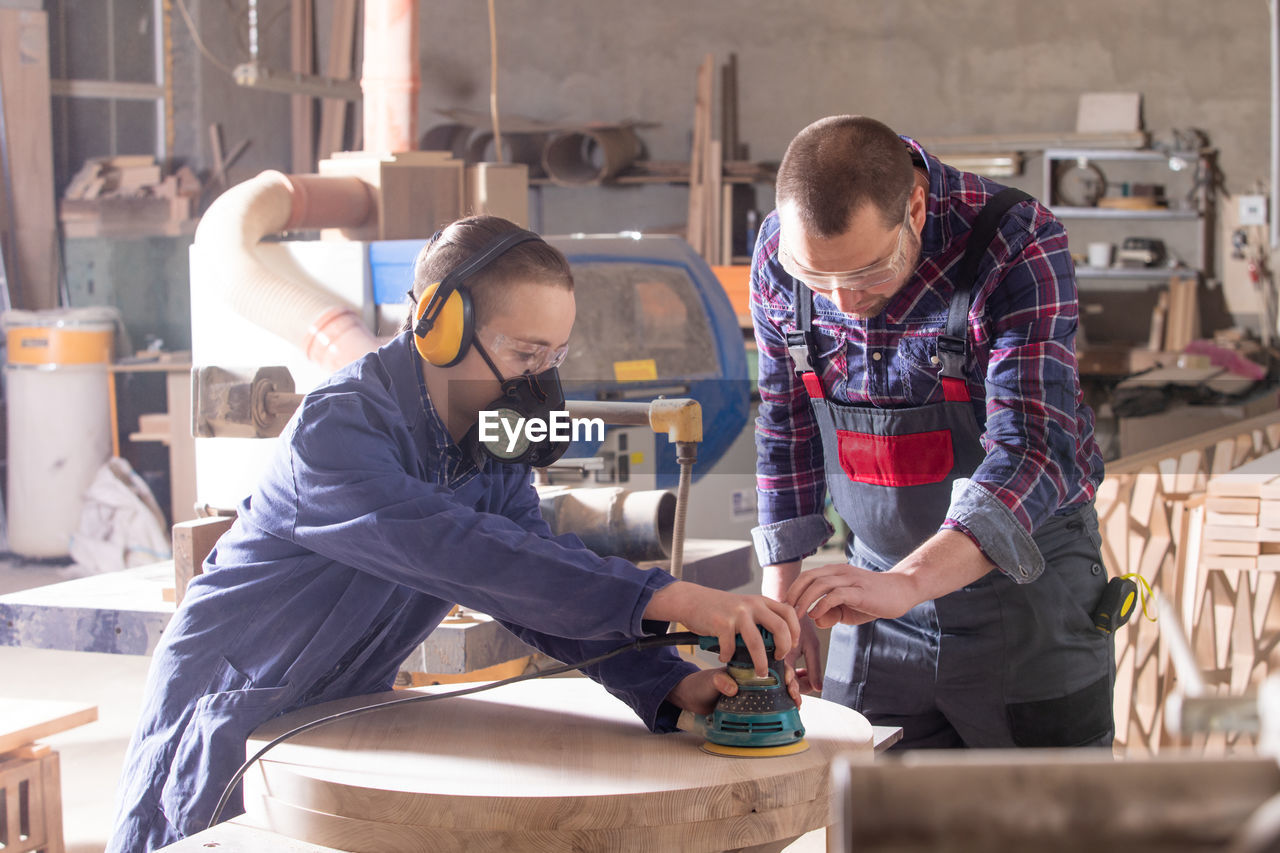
755 751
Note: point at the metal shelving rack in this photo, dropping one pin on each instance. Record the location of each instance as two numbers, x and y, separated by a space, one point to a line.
1201 164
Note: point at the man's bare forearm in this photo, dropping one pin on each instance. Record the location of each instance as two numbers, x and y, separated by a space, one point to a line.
777 578
946 561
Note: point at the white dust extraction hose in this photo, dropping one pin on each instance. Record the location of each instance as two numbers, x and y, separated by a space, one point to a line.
328 330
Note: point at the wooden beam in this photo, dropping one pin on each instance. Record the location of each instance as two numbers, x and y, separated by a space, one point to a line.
729 110
985 800
1155 339
219 175
715 203
333 111
999 143
302 107
25 720
726 225
1183 324
696 230
28 121
192 542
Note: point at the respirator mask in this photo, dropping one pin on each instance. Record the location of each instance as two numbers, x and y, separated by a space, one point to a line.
530 397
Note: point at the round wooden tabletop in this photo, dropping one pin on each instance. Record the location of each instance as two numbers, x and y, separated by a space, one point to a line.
548 764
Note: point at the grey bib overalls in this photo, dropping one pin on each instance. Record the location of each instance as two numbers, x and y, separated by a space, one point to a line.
996 663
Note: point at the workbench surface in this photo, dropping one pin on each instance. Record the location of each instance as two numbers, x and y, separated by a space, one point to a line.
553 763
125 613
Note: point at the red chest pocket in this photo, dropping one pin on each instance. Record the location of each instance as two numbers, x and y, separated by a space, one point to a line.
916 459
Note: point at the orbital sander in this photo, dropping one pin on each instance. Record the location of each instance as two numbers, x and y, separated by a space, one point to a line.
761 720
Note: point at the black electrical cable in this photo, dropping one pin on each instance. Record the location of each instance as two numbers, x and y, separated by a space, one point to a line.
682 638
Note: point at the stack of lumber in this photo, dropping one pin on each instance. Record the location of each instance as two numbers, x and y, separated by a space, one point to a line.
129 196
1242 517
716 162
1175 320
706 171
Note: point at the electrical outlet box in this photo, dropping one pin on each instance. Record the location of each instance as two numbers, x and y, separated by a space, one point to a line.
1253 209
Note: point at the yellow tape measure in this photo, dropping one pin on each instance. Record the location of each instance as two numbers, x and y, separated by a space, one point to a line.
1117 602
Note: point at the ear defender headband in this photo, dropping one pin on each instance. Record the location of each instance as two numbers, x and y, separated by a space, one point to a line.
444 321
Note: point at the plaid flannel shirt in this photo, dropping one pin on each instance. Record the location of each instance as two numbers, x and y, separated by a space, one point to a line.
1041 457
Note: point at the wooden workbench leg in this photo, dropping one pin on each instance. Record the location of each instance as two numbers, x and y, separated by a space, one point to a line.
51 785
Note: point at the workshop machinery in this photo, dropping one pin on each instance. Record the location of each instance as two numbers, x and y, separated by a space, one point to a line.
653 321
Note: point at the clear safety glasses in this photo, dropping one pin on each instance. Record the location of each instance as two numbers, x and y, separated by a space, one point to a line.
526 357
873 275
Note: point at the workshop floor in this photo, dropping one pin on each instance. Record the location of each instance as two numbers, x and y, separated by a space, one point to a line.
92 755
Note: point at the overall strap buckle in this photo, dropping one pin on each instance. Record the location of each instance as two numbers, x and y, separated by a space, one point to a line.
953 344
952 352
800 357
800 350
802 344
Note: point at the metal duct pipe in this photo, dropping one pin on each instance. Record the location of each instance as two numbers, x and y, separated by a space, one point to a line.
614 522
589 156
524 148
328 330
389 76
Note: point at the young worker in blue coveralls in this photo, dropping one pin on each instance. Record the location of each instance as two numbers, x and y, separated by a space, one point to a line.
380 511
916 327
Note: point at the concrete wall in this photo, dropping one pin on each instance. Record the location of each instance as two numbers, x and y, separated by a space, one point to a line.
205 94
148 279
927 68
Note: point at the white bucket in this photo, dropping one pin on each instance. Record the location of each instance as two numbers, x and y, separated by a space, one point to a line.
58 419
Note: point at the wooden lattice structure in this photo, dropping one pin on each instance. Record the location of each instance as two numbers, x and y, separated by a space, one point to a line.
1229 593
1150 508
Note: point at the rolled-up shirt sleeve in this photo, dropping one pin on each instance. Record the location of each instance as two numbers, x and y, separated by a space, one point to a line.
1036 437
790 483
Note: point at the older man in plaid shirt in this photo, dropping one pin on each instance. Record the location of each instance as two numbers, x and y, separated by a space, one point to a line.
916 328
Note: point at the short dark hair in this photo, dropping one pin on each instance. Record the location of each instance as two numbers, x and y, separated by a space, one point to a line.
839 163
532 261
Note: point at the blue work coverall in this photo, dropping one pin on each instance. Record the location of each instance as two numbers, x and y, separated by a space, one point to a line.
368 526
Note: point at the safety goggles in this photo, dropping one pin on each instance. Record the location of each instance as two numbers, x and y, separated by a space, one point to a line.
873 275
524 356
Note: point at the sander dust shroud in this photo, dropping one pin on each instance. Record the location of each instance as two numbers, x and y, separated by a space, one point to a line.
761 721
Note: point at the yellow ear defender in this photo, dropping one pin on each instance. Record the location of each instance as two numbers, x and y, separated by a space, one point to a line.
448 333
444 320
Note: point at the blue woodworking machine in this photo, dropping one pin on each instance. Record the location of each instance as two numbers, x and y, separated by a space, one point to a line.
652 320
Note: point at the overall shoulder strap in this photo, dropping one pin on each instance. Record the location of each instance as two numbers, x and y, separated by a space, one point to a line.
800 343
953 345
